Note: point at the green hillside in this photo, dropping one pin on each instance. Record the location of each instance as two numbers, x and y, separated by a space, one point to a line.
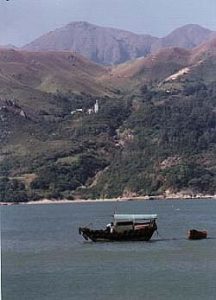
157 139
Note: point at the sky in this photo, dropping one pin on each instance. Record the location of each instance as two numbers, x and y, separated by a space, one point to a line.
21 21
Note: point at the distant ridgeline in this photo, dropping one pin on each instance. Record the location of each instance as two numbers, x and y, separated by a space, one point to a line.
113 46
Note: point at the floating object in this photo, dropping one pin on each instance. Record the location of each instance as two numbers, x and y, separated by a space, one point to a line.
194 234
125 227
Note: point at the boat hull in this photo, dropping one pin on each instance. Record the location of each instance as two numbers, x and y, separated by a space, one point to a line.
143 234
197 235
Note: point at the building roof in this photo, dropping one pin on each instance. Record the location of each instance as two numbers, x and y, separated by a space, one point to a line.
133 217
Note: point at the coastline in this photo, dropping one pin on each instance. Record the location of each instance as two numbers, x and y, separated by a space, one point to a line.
120 199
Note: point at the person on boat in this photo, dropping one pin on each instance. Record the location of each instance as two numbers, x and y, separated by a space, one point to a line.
110 227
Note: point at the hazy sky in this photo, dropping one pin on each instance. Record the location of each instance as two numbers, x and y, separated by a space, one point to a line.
21 21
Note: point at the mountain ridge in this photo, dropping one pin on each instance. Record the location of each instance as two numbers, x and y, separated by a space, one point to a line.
23 72
106 45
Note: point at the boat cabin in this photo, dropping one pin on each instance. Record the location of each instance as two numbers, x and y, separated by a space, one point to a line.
125 222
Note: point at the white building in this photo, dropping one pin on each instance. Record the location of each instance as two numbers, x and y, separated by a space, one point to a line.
96 107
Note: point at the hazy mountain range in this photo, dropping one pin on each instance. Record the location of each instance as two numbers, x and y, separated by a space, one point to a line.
113 46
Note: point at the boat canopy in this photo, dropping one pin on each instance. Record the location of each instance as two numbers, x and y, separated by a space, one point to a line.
133 217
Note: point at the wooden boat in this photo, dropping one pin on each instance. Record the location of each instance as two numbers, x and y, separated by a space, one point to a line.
194 234
125 227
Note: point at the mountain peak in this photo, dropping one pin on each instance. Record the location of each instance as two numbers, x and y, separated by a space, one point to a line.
100 44
80 24
188 36
192 26
191 30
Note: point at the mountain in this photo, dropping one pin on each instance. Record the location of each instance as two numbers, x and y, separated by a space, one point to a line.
167 67
154 133
100 44
113 46
26 75
155 67
188 36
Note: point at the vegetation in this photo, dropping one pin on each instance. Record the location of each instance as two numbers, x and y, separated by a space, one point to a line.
152 134
12 190
144 145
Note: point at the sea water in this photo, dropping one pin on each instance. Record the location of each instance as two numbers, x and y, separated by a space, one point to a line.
44 257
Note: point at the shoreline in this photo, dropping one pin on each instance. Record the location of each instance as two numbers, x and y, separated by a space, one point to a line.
122 199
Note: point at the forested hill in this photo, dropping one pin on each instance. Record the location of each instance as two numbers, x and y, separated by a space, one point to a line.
159 138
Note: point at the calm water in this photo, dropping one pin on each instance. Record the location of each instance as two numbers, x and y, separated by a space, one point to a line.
44 258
